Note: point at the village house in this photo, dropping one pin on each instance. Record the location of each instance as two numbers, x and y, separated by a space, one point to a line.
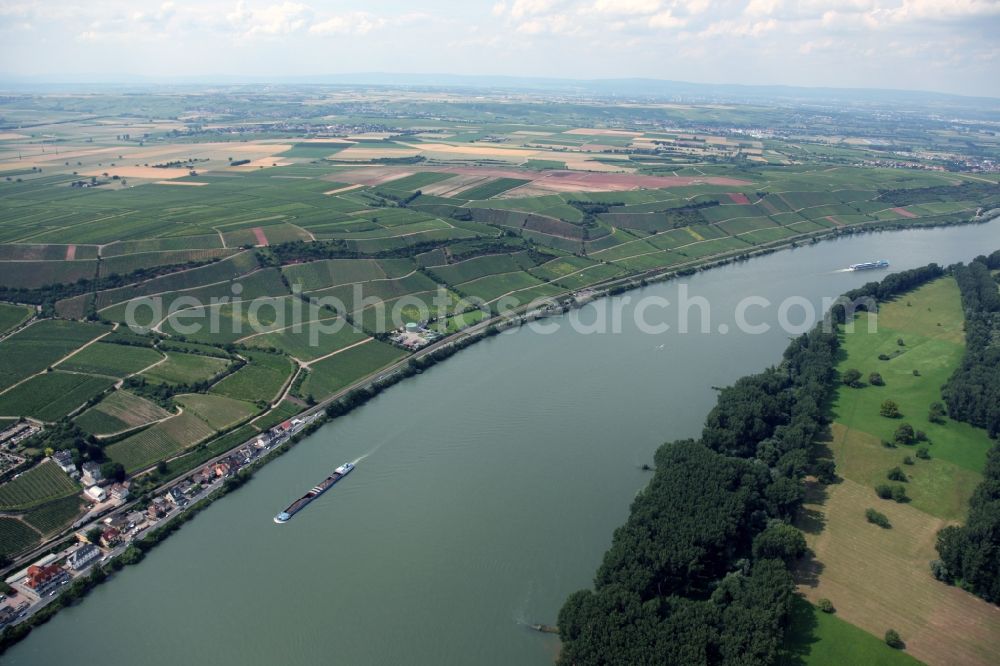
65 461
119 492
157 508
41 579
83 556
110 537
96 493
91 474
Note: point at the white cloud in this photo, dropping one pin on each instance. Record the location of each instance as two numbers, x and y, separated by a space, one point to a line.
270 20
666 20
625 7
523 8
358 23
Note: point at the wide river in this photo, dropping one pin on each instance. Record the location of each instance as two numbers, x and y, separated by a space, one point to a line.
489 489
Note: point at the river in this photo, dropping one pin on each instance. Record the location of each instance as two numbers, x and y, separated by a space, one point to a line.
489 489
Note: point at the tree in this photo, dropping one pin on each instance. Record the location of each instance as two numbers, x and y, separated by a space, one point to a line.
852 377
890 409
899 494
923 453
893 640
825 470
896 474
779 541
161 468
825 605
875 379
936 413
113 470
94 535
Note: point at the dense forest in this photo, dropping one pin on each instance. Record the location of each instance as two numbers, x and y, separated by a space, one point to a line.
970 555
700 572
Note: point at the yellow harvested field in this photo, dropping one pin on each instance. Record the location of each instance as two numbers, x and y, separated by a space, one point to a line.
261 162
151 173
343 189
583 162
364 152
879 578
589 131
474 150
174 182
531 133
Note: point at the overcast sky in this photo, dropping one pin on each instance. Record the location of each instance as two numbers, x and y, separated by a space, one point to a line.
940 45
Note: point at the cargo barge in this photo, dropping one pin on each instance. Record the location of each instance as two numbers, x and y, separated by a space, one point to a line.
869 265
313 493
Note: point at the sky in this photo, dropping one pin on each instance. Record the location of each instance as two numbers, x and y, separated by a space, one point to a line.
937 45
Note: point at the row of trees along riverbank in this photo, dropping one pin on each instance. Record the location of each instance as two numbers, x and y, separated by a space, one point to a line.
970 554
700 571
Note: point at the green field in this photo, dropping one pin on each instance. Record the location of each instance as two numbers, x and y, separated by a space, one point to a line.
52 395
38 346
490 189
102 358
181 368
11 316
315 339
119 411
929 322
159 441
260 379
38 485
218 411
328 376
15 536
54 516
814 638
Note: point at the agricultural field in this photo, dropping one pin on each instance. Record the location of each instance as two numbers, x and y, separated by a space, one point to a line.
41 344
12 316
56 515
262 378
16 536
38 485
112 360
181 368
52 395
335 372
879 578
218 411
160 441
119 411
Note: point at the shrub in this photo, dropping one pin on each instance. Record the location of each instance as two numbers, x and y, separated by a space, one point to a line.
876 518
907 460
896 474
884 491
899 494
920 436
875 379
893 640
904 434
852 377
936 413
825 605
940 571
890 409
887 444
916 373
883 357
899 341
923 453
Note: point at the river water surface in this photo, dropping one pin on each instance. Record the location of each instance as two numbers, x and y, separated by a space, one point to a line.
489 490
